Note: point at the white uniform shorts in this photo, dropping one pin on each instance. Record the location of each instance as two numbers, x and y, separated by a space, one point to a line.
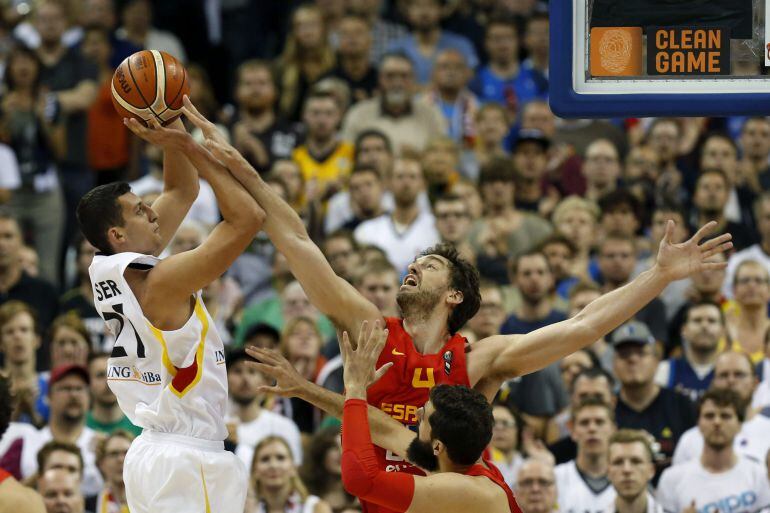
167 473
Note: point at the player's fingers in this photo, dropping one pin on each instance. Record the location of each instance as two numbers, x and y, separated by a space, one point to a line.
134 126
716 241
153 122
345 346
703 231
382 370
719 249
264 389
669 233
382 337
714 266
267 370
268 356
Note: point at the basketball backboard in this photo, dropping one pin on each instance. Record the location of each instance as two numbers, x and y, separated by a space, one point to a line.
634 58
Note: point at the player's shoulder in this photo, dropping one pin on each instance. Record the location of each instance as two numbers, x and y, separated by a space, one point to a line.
15 497
673 475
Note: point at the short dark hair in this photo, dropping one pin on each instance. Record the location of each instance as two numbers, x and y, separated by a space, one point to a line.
463 276
557 238
632 436
6 405
704 302
462 420
371 132
723 397
514 262
620 197
262 329
364 168
395 54
17 51
595 372
98 211
717 135
505 21
448 197
669 206
497 169
590 402
713 171
45 452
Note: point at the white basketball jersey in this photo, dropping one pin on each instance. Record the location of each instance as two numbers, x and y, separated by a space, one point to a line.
165 381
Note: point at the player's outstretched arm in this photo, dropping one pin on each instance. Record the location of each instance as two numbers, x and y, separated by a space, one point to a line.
516 355
386 432
180 178
332 295
361 474
181 275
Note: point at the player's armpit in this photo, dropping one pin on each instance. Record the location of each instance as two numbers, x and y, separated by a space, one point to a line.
179 276
450 492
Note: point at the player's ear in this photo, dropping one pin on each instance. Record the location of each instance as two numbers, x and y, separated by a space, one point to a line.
438 447
455 297
116 235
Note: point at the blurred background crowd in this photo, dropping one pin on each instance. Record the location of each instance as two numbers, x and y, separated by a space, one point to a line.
389 126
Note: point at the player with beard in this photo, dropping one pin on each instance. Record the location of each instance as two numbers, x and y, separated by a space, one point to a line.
454 429
438 295
258 133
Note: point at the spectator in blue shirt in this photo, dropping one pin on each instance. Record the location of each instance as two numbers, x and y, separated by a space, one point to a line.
427 39
504 80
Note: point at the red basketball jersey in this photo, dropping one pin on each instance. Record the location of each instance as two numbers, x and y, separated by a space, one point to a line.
493 473
405 388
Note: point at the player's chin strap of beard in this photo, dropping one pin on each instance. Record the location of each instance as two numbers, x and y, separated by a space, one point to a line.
361 473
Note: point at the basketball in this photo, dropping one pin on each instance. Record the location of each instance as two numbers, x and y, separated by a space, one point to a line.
150 84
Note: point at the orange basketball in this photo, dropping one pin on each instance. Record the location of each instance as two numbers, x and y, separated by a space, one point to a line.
150 84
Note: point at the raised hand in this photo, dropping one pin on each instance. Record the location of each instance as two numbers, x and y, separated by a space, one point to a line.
288 381
678 261
207 128
174 137
359 370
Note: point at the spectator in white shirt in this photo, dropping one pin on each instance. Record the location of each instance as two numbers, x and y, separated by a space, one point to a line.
10 178
630 471
719 480
734 371
249 422
137 28
408 230
582 483
759 252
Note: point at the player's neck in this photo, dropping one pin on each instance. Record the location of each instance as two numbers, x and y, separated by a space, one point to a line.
249 412
718 460
636 505
429 334
595 465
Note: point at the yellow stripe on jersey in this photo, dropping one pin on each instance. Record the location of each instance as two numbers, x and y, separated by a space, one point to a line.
205 492
199 353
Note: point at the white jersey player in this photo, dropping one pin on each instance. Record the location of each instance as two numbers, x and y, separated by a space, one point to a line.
167 366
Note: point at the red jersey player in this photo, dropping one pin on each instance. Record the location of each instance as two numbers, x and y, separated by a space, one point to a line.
440 293
455 426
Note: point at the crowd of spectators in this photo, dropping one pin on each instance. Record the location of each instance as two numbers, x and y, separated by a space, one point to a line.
390 126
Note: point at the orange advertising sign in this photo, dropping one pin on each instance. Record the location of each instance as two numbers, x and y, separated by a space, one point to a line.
616 51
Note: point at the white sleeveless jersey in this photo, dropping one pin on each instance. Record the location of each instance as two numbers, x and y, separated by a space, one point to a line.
574 494
165 381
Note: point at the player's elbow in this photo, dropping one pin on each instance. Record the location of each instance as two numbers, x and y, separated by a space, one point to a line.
355 478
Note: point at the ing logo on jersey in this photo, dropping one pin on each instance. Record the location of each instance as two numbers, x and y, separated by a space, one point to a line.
131 373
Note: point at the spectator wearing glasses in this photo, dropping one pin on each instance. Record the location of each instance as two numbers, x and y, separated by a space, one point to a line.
453 223
110 454
536 487
68 395
760 251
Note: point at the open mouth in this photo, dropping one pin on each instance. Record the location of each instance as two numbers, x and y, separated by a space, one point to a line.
410 280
